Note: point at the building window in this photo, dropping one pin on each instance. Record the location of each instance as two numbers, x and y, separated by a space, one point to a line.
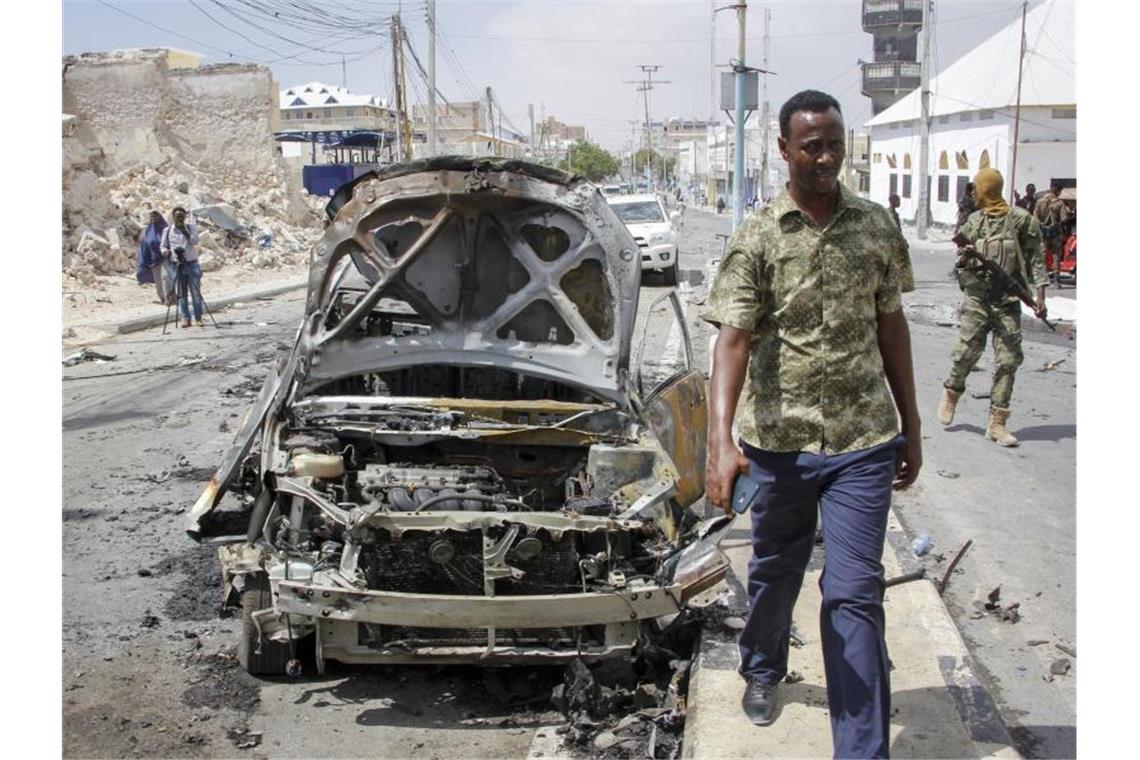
1064 113
943 188
965 116
877 158
906 186
308 114
960 190
906 160
894 184
350 112
985 113
943 161
328 112
288 115
892 161
962 160
864 182
984 161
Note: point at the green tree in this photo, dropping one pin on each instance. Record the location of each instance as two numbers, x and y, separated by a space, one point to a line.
592 161
660 167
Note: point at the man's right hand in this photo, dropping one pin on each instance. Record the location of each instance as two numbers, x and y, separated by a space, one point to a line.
724 463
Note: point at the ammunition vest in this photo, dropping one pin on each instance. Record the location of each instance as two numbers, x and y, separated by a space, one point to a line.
1003 248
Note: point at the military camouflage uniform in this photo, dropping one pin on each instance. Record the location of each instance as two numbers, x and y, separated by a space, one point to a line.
981 314
810 298
1042 206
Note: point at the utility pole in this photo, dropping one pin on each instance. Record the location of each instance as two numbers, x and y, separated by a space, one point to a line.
491 119
765 124
645 86
343 73
1017 112
712 60
398 89
530 114
431 120
741 72
921 216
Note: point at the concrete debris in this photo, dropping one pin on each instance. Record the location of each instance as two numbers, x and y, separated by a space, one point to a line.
1060 666
949 475
1049 366
1007 613
87 355
793 676
1036 642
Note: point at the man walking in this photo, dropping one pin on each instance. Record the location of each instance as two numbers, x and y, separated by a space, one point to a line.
808 301
894 201
1052 214
1012 238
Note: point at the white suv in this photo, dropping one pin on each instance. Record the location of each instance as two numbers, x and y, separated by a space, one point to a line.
652 228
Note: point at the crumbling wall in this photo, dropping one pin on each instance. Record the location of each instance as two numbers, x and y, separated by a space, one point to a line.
140 136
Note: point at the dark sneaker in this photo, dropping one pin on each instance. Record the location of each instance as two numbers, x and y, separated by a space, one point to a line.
759 702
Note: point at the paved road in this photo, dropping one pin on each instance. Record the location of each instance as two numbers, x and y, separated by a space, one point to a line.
148 665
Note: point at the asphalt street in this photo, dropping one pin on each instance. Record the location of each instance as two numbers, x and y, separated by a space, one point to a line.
149 666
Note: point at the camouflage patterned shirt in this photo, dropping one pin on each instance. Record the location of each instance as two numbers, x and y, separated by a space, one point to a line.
1032 265
811 299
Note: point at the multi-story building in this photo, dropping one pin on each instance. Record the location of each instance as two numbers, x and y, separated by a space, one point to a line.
464 129
324 114
894 70
722 158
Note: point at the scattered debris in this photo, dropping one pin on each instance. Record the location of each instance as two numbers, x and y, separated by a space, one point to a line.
87 355
949 475
916 575
793 676
144 572
980 394
1037 642
1048 366
1067 649
243 738
150 620
1060 666
953 564
1008 613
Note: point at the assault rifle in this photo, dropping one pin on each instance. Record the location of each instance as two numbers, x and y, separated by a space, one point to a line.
999 279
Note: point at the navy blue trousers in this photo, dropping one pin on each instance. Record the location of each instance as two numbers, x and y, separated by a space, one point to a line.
853 494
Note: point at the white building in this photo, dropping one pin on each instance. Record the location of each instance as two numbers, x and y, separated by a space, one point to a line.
972 108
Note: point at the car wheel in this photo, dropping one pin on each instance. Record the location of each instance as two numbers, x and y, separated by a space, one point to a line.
271 658
672 272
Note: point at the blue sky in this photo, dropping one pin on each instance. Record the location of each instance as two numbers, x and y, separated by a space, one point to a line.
571 57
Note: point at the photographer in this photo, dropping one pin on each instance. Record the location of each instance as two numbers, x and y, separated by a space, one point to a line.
180 247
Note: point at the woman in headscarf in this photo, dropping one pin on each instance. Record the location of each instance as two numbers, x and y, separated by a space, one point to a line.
151 266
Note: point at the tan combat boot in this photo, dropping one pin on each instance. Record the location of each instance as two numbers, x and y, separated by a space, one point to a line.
996 431
947 405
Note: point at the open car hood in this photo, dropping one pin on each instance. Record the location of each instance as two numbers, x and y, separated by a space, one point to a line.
483 262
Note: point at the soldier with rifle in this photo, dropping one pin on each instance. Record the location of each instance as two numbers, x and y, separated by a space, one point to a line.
1000 263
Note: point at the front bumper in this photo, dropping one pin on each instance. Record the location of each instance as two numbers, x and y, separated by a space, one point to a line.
658 256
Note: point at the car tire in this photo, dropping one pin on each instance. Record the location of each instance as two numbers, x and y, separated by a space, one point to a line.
272 657
671 274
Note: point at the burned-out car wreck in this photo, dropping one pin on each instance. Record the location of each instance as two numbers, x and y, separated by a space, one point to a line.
455 462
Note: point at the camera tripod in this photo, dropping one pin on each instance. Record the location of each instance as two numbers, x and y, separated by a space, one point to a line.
184 285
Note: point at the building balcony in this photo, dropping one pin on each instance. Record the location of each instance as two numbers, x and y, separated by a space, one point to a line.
897 77
882 13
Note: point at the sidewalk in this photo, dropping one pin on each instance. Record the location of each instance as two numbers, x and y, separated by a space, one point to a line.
939 708
141 318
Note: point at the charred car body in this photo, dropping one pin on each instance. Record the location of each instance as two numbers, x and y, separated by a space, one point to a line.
454 463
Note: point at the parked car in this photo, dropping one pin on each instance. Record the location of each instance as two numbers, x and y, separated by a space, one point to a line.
455 462
652 229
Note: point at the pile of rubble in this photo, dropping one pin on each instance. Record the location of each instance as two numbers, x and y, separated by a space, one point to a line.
252 227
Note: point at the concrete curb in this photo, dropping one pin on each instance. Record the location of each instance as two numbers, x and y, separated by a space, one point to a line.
939 706
135 324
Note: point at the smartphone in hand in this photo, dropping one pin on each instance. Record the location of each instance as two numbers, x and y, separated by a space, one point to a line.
744 491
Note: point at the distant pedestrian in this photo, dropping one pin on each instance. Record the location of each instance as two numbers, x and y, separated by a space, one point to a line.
180 247
150 265
1053 216
680 211
720 205
895 202
966 206
1028 200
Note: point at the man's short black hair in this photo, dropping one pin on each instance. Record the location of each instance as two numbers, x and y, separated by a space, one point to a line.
177 209
1031 186
806 100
